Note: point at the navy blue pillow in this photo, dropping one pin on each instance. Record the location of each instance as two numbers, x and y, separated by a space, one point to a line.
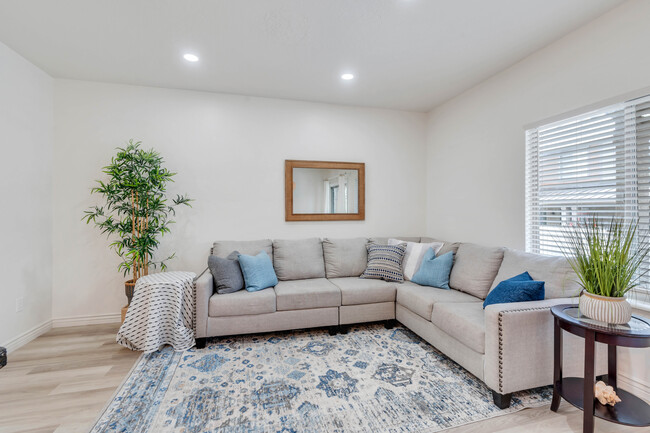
520 288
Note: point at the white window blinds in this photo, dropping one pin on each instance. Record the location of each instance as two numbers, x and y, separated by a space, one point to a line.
594 164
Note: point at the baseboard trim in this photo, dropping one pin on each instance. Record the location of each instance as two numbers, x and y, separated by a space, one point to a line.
24 338
635 386
62 322
98 319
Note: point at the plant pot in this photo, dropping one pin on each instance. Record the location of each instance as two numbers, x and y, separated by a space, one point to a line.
129 287
615 311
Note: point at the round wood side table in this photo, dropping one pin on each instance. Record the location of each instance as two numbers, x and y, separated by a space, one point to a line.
631 410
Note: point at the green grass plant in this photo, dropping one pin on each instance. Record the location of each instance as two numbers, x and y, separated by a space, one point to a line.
606 256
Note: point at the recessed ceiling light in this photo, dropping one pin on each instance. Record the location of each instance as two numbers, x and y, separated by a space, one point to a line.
347 76
191 57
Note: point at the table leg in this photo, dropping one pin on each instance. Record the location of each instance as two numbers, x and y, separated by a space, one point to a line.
589 378
557 365
611 366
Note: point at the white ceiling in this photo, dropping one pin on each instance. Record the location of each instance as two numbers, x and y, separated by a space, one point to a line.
406 54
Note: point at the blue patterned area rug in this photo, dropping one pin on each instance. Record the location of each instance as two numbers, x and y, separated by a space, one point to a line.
369 380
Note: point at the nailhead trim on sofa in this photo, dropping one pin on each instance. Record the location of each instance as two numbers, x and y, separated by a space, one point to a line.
501 314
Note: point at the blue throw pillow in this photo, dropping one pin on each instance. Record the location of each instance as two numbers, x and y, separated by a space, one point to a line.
524 276
258 271
520 288
434 271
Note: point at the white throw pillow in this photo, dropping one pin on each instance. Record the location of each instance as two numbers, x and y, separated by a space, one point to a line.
414 254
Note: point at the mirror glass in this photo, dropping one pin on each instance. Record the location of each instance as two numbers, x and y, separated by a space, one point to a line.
325 191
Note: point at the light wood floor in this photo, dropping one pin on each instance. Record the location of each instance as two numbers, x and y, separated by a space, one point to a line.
61 381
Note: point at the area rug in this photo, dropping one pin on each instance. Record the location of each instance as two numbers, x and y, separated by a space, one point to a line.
369 380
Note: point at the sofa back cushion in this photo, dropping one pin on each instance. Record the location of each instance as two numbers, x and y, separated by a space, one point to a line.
558 276
446 246
475 268
252 248
345 257
298 259
384 241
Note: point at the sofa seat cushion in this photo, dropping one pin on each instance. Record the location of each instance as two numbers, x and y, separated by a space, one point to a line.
559 279
303 294
356 291
297 259
463 321
475 268
242 303
421 299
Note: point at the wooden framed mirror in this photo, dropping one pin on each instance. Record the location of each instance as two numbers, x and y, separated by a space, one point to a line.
324 190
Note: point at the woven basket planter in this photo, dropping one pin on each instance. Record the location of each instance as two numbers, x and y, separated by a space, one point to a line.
129 287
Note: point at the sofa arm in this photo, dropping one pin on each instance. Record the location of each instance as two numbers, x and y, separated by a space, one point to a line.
203 289
519 346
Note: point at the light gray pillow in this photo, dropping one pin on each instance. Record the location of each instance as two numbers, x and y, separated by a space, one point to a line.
345 257
226 273
415 251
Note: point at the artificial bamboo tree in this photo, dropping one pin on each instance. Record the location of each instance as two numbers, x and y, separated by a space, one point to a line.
136 209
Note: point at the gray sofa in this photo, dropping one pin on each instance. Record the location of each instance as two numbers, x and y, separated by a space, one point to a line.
508 346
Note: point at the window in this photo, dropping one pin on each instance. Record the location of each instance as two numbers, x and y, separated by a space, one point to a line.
334 198
597 163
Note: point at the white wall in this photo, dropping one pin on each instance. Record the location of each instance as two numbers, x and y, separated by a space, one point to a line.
26 134
229 154
476 144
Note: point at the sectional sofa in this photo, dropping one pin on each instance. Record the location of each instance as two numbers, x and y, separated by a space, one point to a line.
508 346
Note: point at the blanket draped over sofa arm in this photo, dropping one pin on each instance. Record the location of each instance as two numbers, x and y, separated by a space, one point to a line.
519 346
204 287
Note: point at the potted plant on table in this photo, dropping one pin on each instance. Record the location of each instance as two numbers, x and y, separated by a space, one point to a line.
607 258
136 209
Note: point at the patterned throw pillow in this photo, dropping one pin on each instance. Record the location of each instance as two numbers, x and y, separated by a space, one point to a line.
385 262
415 252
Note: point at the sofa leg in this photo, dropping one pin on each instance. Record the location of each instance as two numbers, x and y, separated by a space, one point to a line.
343 329
390 324
502 401
333 330
200 343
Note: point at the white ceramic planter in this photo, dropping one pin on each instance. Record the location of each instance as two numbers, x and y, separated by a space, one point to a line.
615 311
